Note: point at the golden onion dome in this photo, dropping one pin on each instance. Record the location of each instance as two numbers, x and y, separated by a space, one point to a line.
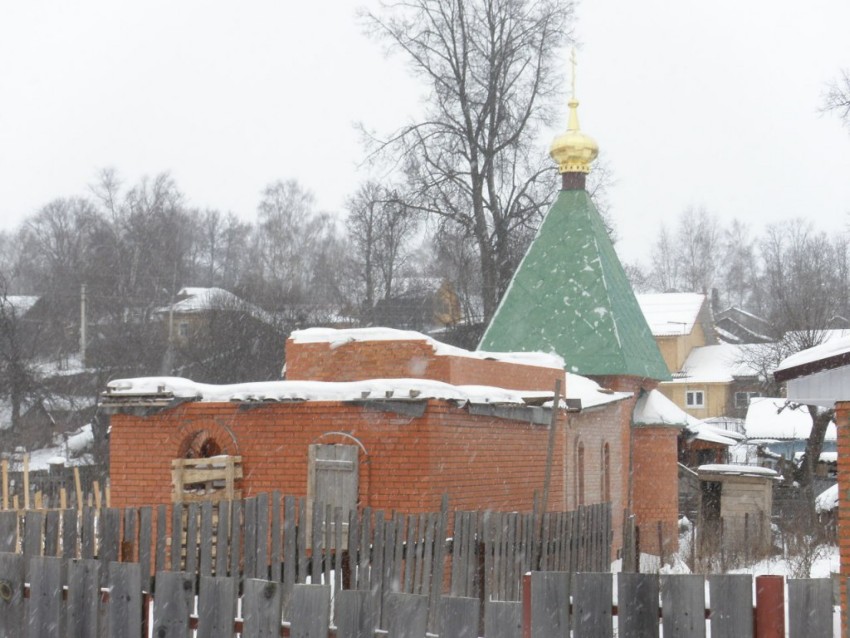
574 151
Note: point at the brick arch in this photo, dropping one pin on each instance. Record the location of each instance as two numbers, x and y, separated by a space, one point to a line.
201 439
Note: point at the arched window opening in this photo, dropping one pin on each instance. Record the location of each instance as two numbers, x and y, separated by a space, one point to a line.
580 473
606 473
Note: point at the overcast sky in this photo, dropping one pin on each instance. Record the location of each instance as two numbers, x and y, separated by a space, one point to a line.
693 103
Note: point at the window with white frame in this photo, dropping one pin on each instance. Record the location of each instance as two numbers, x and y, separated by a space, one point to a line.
695 399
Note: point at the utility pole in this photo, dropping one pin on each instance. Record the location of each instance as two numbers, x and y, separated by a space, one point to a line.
83 324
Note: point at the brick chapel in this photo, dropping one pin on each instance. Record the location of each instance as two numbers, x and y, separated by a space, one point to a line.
395 420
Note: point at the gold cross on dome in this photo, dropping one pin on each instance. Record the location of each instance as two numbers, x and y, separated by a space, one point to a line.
573 63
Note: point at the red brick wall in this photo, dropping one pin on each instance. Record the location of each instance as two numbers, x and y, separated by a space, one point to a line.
595 428
842 421
409 462
655 484
360 360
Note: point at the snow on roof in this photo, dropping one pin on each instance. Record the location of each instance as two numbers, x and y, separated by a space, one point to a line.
742 470
704 432
193 299
716 364
827 500
832 347
395 389
780 419
337 337
20 304
591 393
653 408
671 313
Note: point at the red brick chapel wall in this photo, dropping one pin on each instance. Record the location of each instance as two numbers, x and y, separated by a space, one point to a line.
594 428
842 421
656 487
408 464
360 360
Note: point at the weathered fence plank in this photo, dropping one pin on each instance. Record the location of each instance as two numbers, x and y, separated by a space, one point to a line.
145 546
12 608
8 531
550 604
355 616
809 608
191 527
261 609
731 598
205 566
83 597
222 540
683 606
502 619
457 617
637 604
406 615
173 604
161 521
592 595
311 611
44 618
216 606
125 600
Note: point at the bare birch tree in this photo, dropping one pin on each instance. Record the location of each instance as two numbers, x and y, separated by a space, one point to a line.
490 67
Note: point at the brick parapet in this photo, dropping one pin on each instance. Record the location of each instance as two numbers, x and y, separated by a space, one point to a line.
361 360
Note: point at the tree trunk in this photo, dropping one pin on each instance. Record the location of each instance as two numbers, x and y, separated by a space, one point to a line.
806 472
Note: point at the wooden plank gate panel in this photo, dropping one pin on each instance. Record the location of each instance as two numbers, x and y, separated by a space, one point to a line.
809 608
355 614
550 605
592 595
125 600
637 596
44 615
406 615
731 598
83 597
311 611
458 617
12 608
683 606
502 619
173 604
216 606
261 609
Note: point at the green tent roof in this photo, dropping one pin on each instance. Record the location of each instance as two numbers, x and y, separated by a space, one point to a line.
570 295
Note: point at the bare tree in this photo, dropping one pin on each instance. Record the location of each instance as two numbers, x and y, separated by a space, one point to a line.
490 66
665 265
381 227
837 98
19 377
739 269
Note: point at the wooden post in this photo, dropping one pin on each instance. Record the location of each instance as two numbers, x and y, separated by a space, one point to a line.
63 498
526 597
78 488
770 607
38 500
98 501
26 481
4 467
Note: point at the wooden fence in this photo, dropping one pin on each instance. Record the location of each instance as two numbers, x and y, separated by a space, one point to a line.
60 487
111 600
480 555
